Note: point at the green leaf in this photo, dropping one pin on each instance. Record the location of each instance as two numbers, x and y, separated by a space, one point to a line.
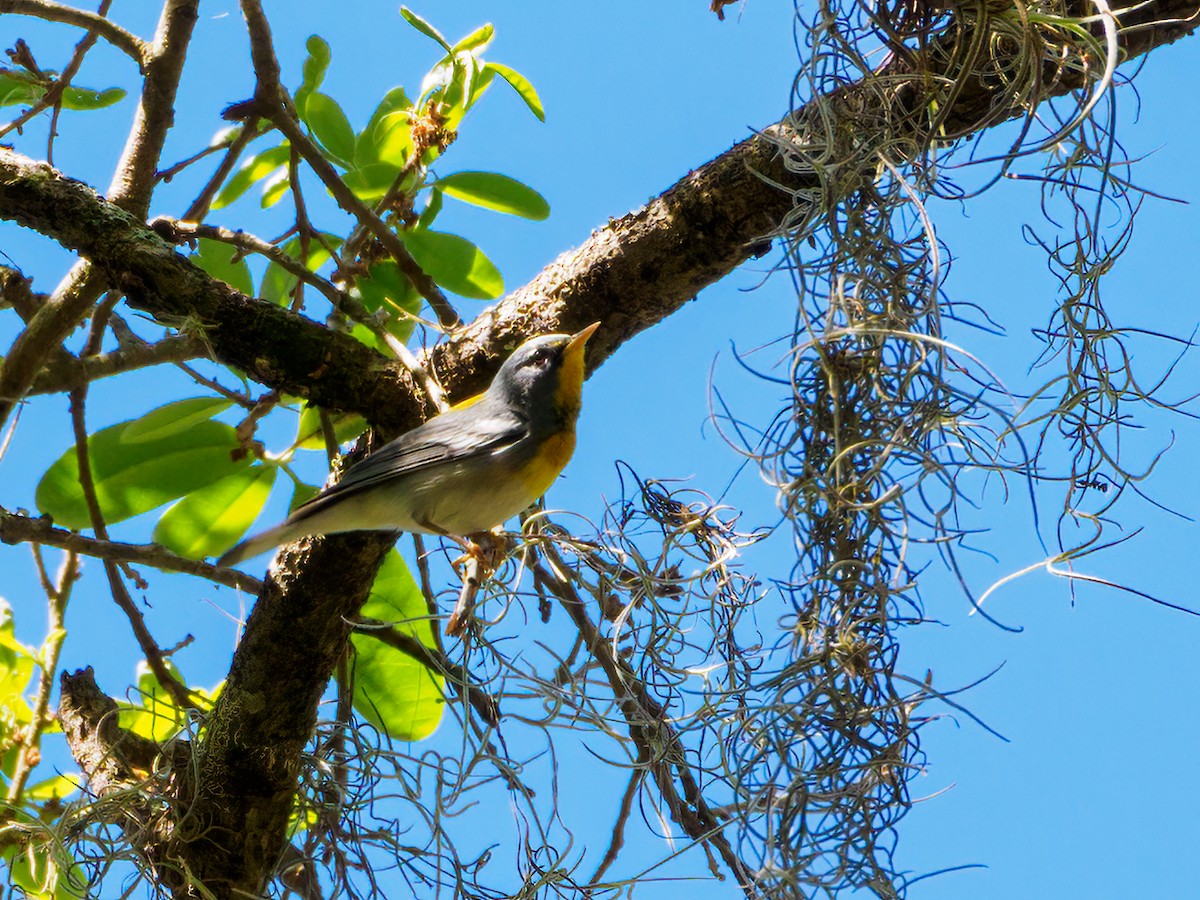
433 206
310 435
483 80
301 494
389 140
395 100
57 787
392 690
156 716
19 87
371 181
87 98
495 191
330 125
274 188
424 27
455 263
254 169
217 259
16 669
386 287
312 73
277 283
174 418
521 85
133 477
210 521
476 40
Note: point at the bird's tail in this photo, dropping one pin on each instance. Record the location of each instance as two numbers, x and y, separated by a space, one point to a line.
261 543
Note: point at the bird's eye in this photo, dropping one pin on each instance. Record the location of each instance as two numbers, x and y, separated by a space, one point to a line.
541 356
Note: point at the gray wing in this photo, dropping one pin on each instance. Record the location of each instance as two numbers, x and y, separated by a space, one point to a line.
452 436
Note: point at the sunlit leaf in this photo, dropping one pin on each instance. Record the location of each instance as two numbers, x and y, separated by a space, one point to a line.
133 477
325 117
312 73
274 188
19 88
217 259
310 435
174 418
433 206
495 191
386 287
371 182
424 27
455 263
32 870
254 169
16 669
388 140
87 98
521 85
154 715
57 787
476 40
392 690
210 521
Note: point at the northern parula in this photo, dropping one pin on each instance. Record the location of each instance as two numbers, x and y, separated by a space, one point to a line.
462 472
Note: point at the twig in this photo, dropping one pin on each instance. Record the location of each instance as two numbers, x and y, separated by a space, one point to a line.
178 232
200 206
16 528
618 832
57 594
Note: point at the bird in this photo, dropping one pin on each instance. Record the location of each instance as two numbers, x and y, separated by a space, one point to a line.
462 472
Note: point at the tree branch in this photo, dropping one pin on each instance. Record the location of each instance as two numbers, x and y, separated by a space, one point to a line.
17 529
131 45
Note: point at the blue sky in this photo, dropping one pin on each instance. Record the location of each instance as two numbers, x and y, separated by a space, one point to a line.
1090 795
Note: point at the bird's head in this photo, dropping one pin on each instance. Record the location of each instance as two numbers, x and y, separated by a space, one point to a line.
543 378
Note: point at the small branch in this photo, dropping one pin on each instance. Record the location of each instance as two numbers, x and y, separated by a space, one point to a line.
16 528
130 190
69 371
57 596
618 833
178 232
200 206
459 677
131 45
109 756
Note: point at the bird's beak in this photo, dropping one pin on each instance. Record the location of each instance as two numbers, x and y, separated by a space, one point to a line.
575 344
